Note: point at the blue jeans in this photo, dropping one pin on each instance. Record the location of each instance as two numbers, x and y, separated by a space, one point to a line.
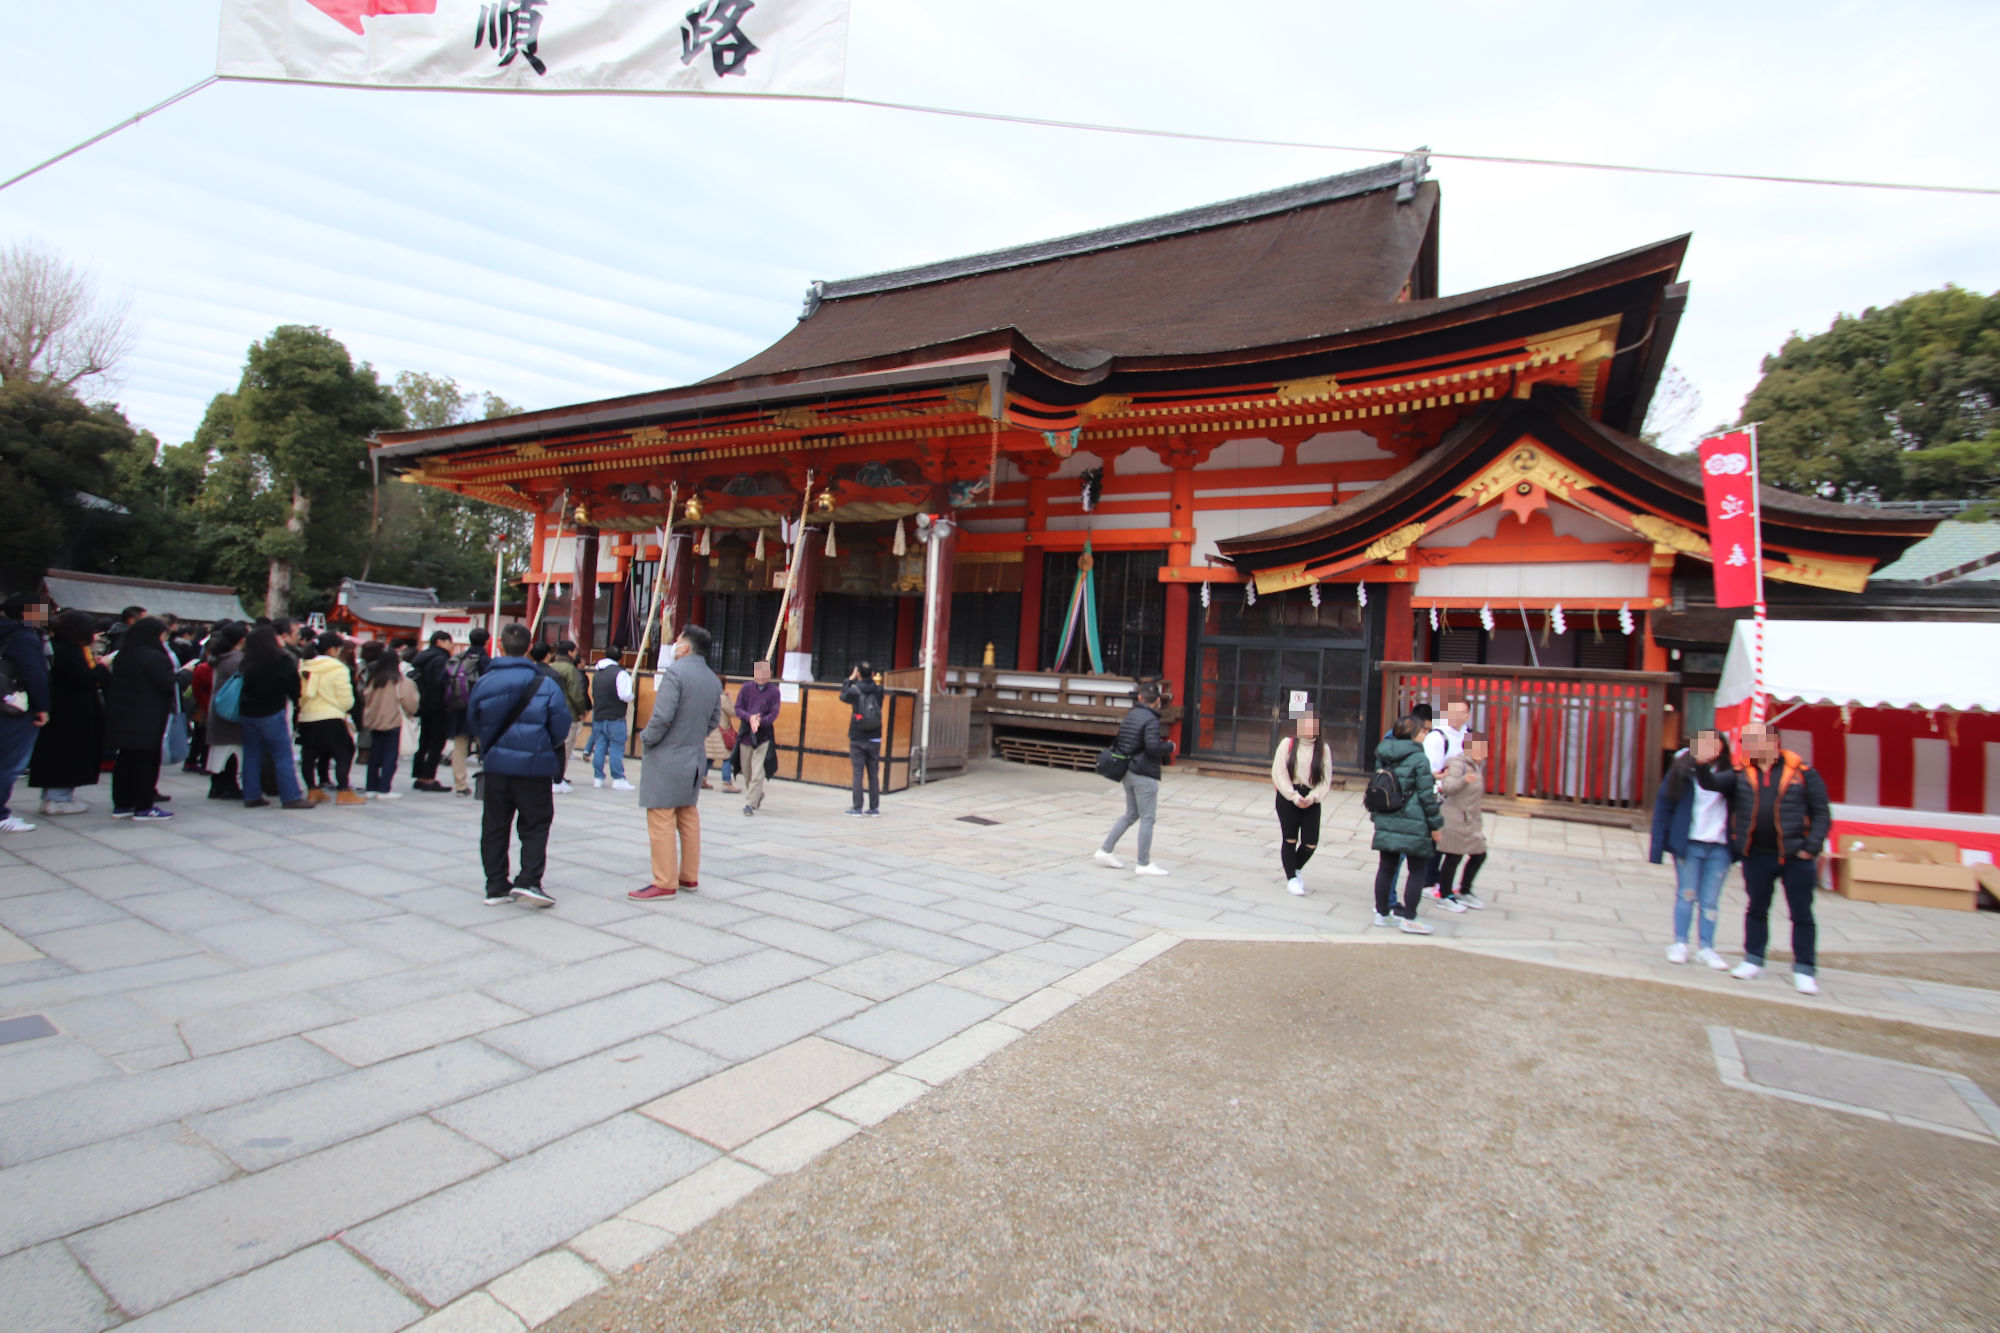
270 736
1699 876
607 741
17 745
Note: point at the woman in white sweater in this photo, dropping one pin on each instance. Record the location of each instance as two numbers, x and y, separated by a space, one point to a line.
1302 771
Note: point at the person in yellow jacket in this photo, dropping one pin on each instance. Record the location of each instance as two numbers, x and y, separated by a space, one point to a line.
326 744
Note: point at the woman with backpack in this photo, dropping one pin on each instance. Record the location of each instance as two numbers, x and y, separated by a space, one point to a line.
387 697
225 734
1302 771
326 746
1402 800
270 677
139 703
67 749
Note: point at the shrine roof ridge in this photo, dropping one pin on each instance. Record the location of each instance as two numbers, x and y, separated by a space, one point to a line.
1346 185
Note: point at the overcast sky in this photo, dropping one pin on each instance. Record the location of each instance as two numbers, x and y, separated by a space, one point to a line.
556 250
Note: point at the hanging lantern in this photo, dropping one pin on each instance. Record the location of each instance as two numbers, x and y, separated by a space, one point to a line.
1556 617
1486 617
1315 594
1204 594
1250 593
1361 594
832 548
1625 617
704 541
760 545
900 546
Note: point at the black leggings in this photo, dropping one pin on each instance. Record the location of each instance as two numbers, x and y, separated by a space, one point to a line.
1449 863
1298 832
326 752
1385 882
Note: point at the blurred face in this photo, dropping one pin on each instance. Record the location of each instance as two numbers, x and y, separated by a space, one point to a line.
761 672
1308 726
35 613
1477 751
1760 743
1458 713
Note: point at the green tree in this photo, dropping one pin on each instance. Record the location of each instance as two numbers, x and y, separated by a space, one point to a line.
1899 403
431 538
56 469
303 414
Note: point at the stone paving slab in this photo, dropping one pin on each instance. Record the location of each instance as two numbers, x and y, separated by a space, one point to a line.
214 1020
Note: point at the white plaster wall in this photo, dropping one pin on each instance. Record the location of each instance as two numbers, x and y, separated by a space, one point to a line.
1244 453
1569 522
1342 446
1478 526
1216 525
1539 581
1081 522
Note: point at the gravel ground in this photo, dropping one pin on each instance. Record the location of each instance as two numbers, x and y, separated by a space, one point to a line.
1363 1137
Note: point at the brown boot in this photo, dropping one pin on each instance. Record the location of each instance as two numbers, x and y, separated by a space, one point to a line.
346 796
314 796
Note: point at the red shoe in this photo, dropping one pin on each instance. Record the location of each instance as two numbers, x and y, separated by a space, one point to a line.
690 885
650 892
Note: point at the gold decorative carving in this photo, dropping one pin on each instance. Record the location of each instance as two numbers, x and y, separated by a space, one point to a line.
1391 546
1282 579
1312 387
1663 532
1838 575
1526 462
1104 405
1586 342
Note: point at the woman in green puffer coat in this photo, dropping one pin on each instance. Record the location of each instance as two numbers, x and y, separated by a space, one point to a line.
1408 834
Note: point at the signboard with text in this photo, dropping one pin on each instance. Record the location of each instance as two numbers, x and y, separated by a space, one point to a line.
1735 538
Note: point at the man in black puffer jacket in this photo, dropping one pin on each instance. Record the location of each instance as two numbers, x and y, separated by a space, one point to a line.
1139 737
1778 818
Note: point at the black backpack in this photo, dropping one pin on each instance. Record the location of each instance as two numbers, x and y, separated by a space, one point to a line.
868 711
1384 795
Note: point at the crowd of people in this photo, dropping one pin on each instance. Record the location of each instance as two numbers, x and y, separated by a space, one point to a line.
1765 809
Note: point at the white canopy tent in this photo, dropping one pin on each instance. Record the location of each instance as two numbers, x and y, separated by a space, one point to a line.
1927 665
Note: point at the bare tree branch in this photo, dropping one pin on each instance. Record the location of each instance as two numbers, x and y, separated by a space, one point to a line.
54 327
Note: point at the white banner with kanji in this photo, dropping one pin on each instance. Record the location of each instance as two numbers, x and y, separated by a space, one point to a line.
794 48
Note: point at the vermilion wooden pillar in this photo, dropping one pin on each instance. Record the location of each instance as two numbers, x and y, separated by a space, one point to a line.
909 613
1399 624
937 634
585 629
1040 475
1173 652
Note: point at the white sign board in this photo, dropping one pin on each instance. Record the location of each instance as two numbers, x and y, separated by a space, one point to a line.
1299 704
791 48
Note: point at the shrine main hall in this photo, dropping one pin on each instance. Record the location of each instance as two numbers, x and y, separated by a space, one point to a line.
1288 463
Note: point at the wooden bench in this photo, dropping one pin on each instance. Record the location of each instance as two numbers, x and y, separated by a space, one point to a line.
1048 753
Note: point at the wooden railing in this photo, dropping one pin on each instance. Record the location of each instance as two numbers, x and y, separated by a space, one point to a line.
1048 700
1575 738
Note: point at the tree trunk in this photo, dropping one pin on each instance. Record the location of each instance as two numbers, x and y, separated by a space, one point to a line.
278 595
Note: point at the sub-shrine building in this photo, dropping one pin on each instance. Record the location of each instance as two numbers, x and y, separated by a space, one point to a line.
1277 460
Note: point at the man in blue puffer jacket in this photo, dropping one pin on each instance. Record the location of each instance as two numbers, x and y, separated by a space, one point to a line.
521 720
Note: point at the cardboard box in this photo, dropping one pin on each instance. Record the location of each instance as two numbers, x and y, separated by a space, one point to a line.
1989 883
1911 872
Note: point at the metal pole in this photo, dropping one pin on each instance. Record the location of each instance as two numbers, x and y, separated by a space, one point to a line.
499 554
923 755
1757 705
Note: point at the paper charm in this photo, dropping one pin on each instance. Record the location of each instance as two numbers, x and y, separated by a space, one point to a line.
1556 616
1250 593
1434 620
1204 594
1625 617
760 545
1315 594
1486 617
900 546
832 549
1361 593
704 547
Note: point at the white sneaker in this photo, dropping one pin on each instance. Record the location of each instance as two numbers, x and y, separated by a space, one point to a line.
1806 985
1381 920
1677 952
1746 971
64 807
1149 870
1296 887
1473 900
1451 905
563 789
597 783
387 795
15 824
620 784
1414 927
1714 960
1105 858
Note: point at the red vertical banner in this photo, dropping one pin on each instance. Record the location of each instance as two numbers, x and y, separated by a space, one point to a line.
1729 483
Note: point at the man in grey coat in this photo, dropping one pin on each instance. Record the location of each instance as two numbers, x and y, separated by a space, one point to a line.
685 698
